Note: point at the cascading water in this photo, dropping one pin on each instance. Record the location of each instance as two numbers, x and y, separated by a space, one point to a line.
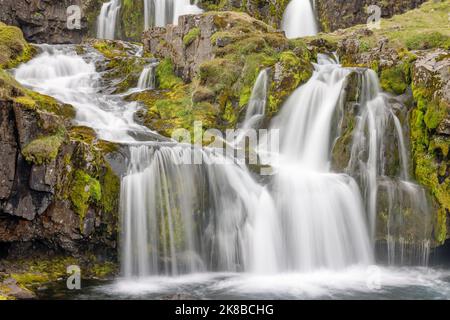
321 214
257 104
59 72
147 78
107 20
378 137
299 19
160 13
194 217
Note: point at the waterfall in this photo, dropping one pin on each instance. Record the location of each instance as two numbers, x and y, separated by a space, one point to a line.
106 20
59 72
299 19
160 13
377 135
182 218
147 78
257 104
321 213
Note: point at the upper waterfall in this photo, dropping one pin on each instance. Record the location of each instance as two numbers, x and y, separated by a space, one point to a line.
59 72
107 20
160 13
299 19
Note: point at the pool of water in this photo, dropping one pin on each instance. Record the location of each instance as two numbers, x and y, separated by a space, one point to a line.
354 283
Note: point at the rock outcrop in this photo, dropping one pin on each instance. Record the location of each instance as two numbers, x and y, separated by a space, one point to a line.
46 21
58 192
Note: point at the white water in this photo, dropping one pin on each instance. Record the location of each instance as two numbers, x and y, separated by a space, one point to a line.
377 128
59 72
160 13
184 218
321 213
107 20
299 19
256 108
147 78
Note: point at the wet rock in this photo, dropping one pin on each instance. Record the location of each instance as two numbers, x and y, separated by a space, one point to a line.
13 289
168 42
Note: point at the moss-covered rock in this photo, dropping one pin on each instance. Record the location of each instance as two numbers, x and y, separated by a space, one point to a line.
429 146
210 63
13 47
43 150
123 67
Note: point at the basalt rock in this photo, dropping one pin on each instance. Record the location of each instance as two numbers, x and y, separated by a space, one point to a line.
46 21
333 15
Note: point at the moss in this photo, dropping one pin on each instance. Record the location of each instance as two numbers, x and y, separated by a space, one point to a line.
13 47
427 40
394 80
193 34
43 150
430 153
434 115
85 190
165 75
123 68
110 190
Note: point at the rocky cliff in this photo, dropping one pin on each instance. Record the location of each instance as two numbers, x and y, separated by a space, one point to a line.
58 192
339 14
46 21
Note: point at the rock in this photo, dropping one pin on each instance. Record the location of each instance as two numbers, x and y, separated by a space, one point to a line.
13 289
8 149
168 42
334 15
44 21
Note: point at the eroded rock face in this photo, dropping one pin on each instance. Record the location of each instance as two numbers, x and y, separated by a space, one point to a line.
339 14
37 202
168 42
43 21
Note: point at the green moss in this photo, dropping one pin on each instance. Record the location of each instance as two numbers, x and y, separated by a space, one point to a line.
193 34
85 190
394 80
165 75
110 191
430 153
43 150
427 40
434 115
13 47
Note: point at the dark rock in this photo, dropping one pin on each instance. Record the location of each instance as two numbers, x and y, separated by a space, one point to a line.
8 149
334 15
44 21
